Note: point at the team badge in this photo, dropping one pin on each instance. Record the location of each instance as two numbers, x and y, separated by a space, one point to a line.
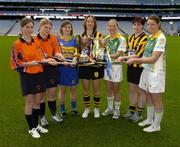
96 74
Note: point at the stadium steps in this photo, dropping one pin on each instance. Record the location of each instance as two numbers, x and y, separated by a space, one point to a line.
10 29
123 32
165 31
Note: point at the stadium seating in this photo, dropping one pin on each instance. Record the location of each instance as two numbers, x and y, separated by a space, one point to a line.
151 2
126 26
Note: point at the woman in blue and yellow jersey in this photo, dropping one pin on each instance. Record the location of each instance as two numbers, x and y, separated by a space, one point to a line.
91 73
135 47
115 48
68 74
153 75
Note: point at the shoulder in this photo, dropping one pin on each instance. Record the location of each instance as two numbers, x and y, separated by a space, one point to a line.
36 41
98 35
144 36
122 38
161 38
53 37
130 36
17 43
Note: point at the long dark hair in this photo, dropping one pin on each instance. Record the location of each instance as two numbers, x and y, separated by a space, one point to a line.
95 24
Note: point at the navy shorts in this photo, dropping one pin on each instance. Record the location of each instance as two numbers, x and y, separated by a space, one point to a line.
32 83
91 73
68 76
51 76
134 74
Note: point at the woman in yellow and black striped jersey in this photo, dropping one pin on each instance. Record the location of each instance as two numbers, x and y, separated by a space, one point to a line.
135 47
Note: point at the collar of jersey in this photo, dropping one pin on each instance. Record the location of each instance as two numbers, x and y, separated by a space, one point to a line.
62 37
24 41
39 37
156 35
118 35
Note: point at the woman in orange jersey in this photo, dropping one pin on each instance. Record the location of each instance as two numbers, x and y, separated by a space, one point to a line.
50 48
25 57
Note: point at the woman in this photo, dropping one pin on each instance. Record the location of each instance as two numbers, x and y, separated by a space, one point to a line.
135 46
68 74
115 48
90 73
50 48
25 56
153 76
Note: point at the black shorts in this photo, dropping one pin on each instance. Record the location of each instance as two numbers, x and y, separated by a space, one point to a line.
134 74
51 76
91 73
32 83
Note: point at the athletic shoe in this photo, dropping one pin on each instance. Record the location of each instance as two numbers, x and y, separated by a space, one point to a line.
107 112
34 133
116 114
41 129
44 121
128 115
56 118
86 113
152 128
63 114
74 113
145 123
96 113
136 117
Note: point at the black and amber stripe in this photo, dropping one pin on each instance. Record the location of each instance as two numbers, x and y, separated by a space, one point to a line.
87 101
138 44
96 101
140 110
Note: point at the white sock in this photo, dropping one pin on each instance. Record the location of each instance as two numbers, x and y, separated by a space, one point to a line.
110 102
157 118
117 105
150 112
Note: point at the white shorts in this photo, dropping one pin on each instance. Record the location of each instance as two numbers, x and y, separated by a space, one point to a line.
152 82
116 74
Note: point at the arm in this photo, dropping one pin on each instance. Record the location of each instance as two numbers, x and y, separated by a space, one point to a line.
115 56
158 50
121 49
57 50
148 60
17 60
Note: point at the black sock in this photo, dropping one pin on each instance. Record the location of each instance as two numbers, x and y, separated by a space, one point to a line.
96 101
86 101
52 107
35 114
42 109
132 108
140 110
29 120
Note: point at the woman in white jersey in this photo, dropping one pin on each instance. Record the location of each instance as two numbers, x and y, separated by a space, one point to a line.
115 48
153 76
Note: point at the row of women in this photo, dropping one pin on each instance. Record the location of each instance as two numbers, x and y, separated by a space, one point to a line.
145 71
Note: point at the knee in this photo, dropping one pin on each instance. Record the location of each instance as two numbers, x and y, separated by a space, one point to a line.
28 107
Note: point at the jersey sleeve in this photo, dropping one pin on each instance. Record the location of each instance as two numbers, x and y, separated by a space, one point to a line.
57 48
160 44
122 46
76 47
16 59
